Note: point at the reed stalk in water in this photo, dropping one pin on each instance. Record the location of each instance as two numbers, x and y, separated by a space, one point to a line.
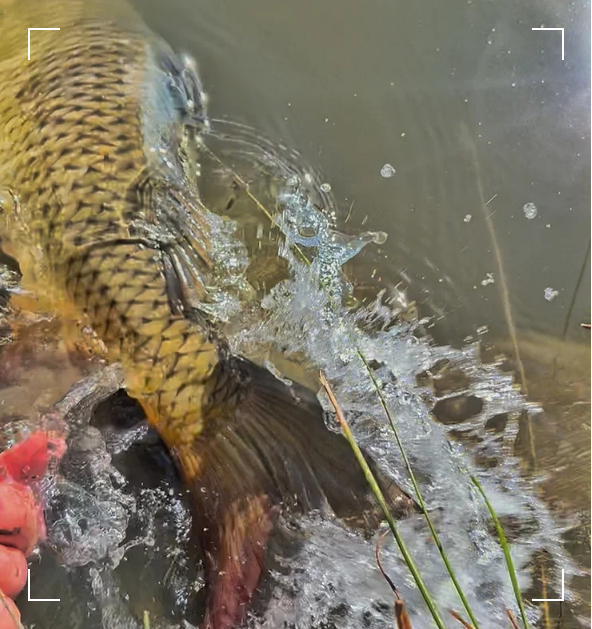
401 615
383 505
460 619
506 548
513 621
420 499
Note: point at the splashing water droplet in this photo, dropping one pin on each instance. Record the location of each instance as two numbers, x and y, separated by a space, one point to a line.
550 293
488 279
325 187
387 171
467 218
378 238
530 210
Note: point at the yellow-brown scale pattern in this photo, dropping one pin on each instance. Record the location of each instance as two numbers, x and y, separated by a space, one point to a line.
72 149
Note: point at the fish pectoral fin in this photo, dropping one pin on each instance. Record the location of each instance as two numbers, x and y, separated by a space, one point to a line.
269 450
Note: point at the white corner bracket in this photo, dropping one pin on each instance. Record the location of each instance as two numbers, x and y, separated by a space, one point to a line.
55 600
562 590
29 38
562 40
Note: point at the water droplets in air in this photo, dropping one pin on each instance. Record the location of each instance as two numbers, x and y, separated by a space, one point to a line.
387 171
489 279
530 210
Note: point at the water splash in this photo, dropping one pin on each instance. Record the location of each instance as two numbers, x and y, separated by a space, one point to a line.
87 517
100 525
304 225
305 315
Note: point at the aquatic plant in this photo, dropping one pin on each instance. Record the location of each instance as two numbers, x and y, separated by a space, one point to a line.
506 548
383 504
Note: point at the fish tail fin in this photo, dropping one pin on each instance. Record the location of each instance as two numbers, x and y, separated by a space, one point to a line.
269 450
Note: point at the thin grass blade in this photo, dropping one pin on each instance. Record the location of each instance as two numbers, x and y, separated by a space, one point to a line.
506 548
384 506
419 496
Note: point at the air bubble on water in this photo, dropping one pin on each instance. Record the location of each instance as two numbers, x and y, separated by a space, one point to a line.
387 171
530 210
467 218
550 293
325 187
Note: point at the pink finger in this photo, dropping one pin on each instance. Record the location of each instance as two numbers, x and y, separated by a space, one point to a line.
19 517
13 571
9 614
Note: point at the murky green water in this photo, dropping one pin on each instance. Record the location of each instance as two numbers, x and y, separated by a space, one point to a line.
463 99
479 117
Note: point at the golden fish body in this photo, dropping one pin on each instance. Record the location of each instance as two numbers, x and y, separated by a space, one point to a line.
97 139
92 130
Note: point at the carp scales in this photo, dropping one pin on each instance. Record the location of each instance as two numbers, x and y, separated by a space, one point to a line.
101 207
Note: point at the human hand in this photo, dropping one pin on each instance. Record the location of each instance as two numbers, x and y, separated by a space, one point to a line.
19 533
21 519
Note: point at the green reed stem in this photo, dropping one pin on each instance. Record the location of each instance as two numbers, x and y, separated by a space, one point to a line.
506 548
383 504
146 618
420 499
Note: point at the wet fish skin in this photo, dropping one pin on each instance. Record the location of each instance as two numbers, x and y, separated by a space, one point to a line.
74 148
96 134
